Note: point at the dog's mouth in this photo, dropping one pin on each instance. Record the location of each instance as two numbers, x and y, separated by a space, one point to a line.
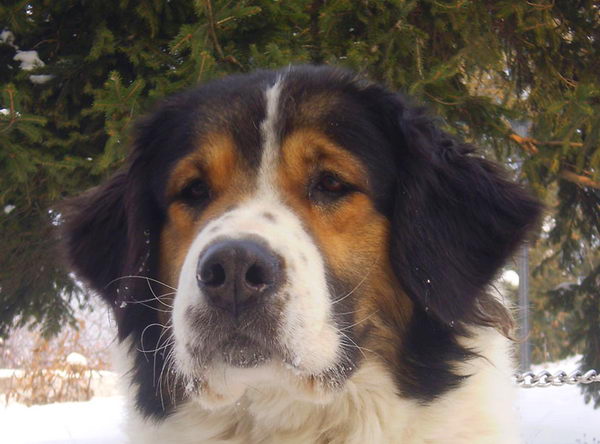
216 339
224 357
219 344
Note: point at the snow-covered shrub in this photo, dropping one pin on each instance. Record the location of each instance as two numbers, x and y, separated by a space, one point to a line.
68 367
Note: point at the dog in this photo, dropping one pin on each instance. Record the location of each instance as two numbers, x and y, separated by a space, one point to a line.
303 256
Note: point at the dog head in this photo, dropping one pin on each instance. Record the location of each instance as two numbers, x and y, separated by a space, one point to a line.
280 228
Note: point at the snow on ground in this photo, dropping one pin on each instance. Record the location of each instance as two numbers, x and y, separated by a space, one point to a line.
97 421
558 415
552 415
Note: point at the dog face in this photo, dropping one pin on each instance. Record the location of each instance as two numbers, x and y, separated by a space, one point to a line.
280 228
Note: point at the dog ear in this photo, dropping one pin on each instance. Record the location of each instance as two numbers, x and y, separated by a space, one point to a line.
95 233
108 239
111 233
456 220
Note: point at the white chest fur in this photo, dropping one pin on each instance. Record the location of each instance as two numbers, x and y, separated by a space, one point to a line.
368 410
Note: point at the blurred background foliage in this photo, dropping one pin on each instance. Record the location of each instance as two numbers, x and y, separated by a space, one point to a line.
518 78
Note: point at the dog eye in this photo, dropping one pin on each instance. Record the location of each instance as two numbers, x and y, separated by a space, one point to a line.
330 184
195 192
328 187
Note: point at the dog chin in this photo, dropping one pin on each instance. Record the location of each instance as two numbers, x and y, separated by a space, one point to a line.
235 375
243 352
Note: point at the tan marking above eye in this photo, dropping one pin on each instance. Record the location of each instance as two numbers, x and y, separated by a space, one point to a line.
216 163
213 162
185 172
307 152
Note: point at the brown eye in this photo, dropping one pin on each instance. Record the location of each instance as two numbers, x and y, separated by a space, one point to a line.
328 188
196 191
330 184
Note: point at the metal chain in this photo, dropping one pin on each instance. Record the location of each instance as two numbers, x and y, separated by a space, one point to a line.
547 379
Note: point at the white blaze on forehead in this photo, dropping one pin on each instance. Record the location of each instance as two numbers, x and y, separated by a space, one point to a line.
270 138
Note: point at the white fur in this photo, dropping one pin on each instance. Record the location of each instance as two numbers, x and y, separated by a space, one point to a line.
367 410
268 129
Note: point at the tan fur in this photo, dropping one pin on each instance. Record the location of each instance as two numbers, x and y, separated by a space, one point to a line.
217 162
353 235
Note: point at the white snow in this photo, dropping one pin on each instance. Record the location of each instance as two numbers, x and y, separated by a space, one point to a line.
40 79
557 415
29 60
7 37
553 415
94 422
565 286
6 373
77 359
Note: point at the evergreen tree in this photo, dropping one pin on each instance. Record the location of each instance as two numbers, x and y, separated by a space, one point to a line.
66 110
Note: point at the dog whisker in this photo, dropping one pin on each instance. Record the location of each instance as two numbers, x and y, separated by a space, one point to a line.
170 340
355 345
139 277
154 324
358 322
153 299
154 350
160 378
160 310
363 280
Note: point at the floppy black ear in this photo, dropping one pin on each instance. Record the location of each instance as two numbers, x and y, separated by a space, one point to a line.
109 231
95 234
456 219
108 234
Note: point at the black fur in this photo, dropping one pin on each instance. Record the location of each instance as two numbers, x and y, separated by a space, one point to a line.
111 236
455 218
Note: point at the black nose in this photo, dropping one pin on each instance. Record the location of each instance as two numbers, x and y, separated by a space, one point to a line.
237 274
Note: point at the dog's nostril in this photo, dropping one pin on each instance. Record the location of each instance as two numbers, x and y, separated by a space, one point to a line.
257 277
213 275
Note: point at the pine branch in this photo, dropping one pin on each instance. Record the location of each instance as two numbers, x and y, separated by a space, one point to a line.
579 179
186 38
529 144
12 111
315 9
212 30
